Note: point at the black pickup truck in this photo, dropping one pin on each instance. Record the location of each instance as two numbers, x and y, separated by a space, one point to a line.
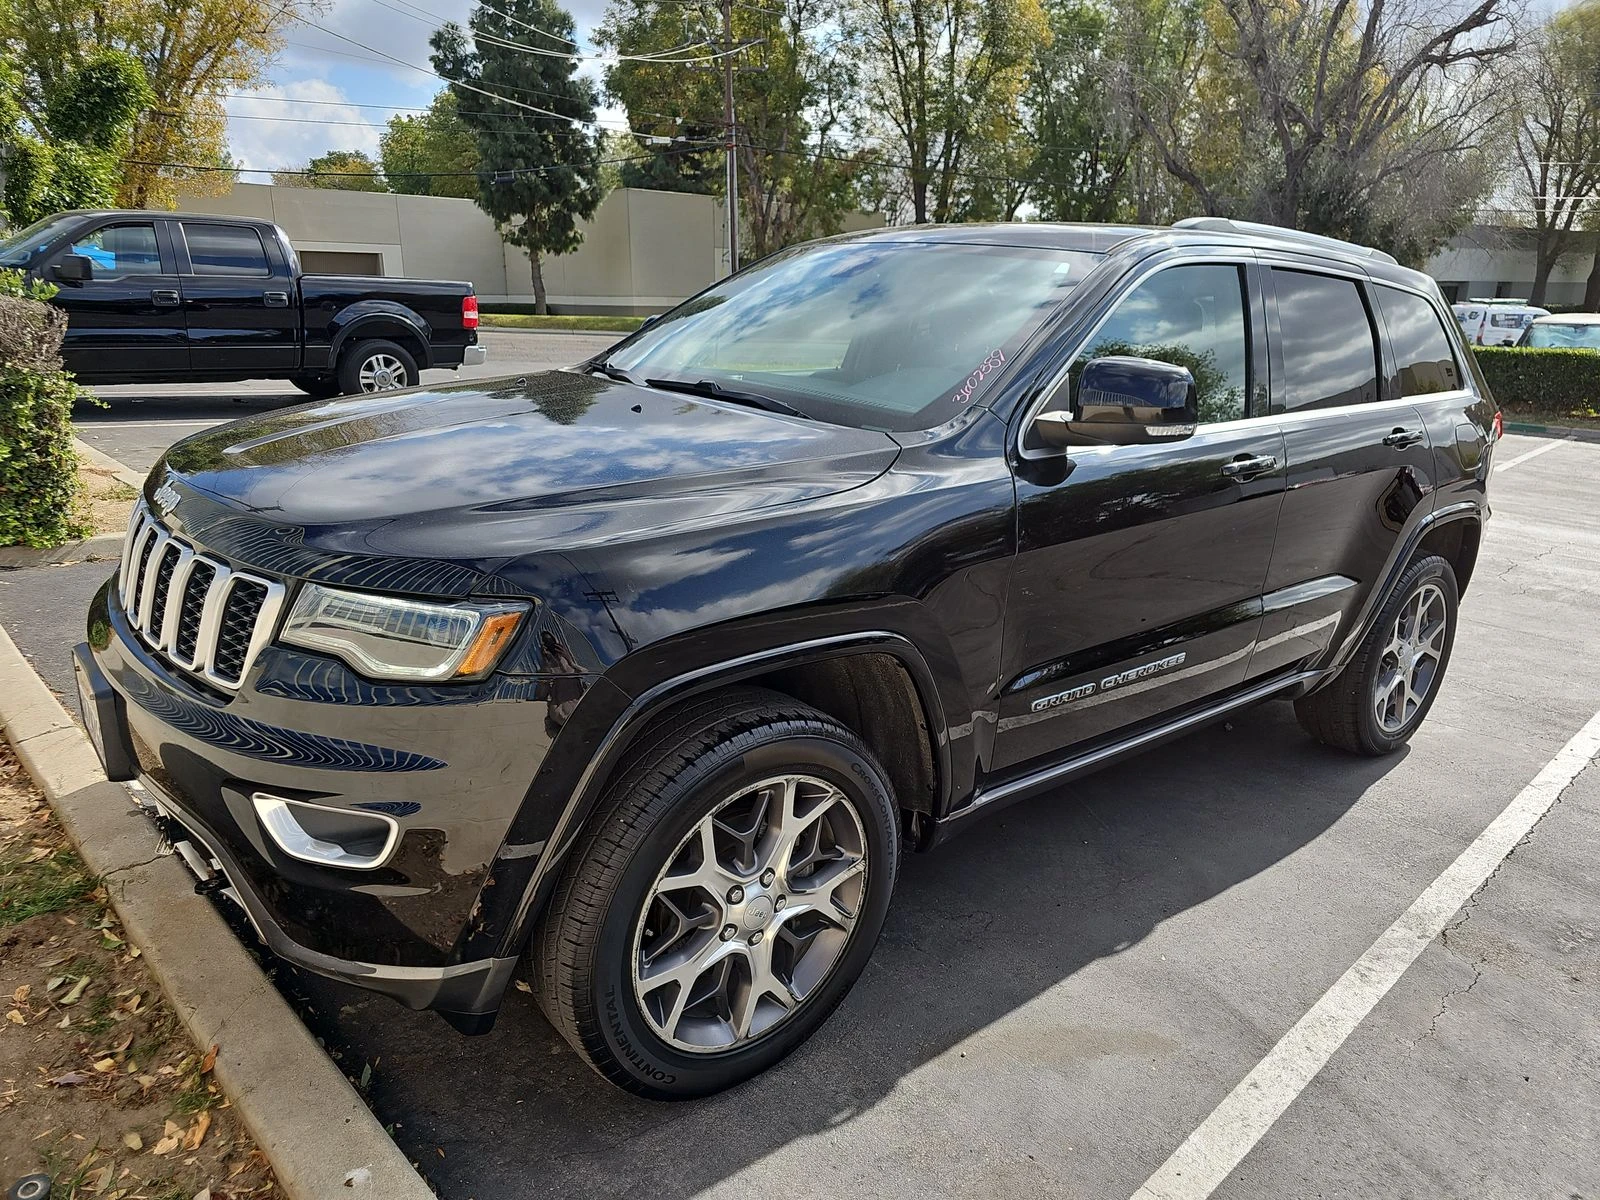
186 298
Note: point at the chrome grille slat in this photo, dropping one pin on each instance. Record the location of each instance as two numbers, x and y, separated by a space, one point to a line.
161 603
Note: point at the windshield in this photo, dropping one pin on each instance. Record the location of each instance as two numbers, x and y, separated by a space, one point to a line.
17 248
878 335
1580 337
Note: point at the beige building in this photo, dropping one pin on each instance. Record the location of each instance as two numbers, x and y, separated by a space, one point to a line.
643 252
1488 261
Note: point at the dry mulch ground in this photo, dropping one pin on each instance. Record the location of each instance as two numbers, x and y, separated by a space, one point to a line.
100 1086
108 500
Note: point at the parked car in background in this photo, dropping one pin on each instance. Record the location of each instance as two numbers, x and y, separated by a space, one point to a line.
182 298
1564 331
1496 322
647 673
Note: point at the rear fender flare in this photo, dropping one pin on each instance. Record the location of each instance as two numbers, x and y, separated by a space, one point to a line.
379 319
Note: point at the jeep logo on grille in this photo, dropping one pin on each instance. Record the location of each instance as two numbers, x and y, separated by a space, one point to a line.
165 497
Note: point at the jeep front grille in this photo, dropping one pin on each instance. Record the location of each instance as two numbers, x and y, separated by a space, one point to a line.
201 614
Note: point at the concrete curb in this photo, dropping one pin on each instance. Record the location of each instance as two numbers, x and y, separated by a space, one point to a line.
1575 433
301 1110
101 461
101 546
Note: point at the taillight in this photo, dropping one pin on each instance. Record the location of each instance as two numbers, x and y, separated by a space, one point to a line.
1499 426
469 312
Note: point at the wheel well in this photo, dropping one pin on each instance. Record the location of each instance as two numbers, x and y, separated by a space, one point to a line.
875 696
1457 543
399 335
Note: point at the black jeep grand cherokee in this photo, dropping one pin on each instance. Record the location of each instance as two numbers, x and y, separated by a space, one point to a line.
649 671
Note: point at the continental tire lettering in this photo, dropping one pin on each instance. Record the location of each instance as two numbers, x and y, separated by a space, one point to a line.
625 1046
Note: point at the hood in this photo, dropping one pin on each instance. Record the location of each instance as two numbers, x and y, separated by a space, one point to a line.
509 465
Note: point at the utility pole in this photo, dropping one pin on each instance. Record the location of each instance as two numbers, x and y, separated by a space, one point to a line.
730 127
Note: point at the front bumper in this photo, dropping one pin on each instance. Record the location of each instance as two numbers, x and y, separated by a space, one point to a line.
406 930
474 356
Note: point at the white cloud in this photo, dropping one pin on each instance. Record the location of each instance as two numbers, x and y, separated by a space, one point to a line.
286 124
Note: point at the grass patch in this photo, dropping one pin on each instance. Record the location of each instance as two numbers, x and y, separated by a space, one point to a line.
552 321
31 887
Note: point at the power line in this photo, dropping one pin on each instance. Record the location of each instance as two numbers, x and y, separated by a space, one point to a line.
481 172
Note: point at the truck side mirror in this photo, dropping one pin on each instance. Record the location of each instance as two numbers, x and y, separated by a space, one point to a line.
73 268
1122 401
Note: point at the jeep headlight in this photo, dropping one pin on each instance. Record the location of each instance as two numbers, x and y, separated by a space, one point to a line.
386 637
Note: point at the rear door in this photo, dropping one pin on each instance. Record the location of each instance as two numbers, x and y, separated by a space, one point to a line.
238 298
1360 462
1137 583
125 320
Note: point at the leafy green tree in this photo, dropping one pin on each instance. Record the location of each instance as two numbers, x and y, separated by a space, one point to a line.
1557 148
940 82
62 151
336 170
541 170
432 153
792 89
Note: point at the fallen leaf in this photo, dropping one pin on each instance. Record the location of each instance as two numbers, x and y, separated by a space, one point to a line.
100 1180
122 1045
22 992
64 1022
172 1129
55 982
209 1061
204 1193
522 986
105 1064
16 1018
165 1146
76 993
71 1079
134 952
366 1076
197 1132
147 1081
133 1141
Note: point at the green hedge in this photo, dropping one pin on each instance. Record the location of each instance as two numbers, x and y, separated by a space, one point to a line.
41 501
1562 382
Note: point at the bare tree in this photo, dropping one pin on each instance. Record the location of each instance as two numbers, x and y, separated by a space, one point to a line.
1366 120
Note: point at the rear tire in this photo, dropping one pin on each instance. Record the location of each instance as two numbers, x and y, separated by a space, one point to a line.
376 366
318 387
1377 702
700 834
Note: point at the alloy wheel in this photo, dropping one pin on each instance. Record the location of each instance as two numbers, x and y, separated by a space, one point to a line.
750 913
382 373
1410 664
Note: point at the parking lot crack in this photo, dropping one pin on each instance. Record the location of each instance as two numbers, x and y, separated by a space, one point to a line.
1453 993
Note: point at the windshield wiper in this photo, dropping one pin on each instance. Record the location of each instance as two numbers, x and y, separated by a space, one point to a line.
711 388
610 372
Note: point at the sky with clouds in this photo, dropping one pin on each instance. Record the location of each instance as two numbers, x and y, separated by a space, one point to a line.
335 85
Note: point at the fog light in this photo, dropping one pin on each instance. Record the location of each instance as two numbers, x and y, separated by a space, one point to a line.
329 837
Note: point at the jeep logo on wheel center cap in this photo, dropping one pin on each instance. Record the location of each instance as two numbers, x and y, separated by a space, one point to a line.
758 912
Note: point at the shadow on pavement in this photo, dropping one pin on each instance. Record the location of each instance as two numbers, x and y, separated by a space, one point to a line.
978 929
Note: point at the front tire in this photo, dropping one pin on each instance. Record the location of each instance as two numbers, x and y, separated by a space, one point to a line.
376 366
729 892
1381 697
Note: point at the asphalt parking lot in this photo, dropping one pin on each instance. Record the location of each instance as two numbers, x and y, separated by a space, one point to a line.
142 420
1066 993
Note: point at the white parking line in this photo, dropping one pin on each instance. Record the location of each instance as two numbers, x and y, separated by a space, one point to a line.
1209 1154
1522 458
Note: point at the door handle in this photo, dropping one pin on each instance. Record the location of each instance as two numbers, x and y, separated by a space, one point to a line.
164 297
1403 437
276 299
1248 466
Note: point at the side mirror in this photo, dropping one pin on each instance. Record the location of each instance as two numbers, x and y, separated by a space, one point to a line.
1125 401
73 268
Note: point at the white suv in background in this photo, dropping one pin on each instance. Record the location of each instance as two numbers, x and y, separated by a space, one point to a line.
1496 322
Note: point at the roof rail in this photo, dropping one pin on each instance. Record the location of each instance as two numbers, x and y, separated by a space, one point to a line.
1279 234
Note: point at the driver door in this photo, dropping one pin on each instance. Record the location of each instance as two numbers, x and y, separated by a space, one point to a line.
126 319
1140 568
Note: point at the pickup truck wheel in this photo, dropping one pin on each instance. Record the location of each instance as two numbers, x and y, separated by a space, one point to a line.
1381 697
318 387
376 366
730 890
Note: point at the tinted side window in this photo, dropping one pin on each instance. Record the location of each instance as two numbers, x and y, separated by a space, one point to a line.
1330 356
119 250
1421 345
225 250
1192 316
